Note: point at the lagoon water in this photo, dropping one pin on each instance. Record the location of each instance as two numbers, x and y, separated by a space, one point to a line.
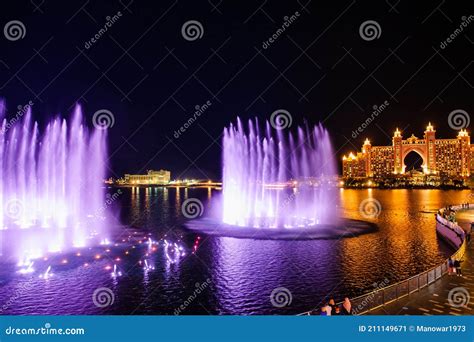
234 276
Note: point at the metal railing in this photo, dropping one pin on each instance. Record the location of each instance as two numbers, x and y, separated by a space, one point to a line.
384 295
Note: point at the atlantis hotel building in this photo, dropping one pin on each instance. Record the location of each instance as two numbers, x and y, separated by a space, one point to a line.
453 158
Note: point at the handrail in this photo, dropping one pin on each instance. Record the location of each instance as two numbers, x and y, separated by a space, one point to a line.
378 296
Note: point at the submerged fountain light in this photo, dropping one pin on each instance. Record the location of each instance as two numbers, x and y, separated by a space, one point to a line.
148 266
116 273
27 269
50 185
173 251
47 274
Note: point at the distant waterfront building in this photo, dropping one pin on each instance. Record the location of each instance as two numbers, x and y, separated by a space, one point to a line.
161 177
441 157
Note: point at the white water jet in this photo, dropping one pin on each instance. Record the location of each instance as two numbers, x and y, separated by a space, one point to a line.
272 179
51 186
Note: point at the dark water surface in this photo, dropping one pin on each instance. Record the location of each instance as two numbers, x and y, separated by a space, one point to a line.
220 275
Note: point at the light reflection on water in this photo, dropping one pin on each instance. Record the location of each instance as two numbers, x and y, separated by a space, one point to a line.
242 272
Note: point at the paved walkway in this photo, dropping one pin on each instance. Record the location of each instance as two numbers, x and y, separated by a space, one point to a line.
433 299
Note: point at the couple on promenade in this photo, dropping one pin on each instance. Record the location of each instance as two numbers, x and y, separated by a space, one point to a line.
332 309
454 267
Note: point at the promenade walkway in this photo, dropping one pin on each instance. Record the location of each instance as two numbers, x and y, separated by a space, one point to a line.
435 298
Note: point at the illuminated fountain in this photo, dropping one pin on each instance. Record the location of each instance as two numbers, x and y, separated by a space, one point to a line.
51 186
256 163
278 185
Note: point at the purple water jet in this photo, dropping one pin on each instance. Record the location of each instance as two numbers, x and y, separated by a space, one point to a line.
51 186
272 179
278 186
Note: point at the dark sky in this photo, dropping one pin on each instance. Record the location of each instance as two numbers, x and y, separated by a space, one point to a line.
150 78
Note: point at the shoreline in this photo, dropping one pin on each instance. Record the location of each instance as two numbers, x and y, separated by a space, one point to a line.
380 297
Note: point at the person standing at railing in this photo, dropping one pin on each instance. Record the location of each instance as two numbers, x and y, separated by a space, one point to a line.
332 304
346 307
326 310
457 265
450 266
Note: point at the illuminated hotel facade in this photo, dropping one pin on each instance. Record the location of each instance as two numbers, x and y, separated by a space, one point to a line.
452 158
161 177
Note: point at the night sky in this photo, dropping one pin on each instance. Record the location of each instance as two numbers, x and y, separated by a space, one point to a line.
320 69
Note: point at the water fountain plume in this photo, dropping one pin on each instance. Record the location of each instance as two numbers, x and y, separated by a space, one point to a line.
278 184
51 185
276 180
